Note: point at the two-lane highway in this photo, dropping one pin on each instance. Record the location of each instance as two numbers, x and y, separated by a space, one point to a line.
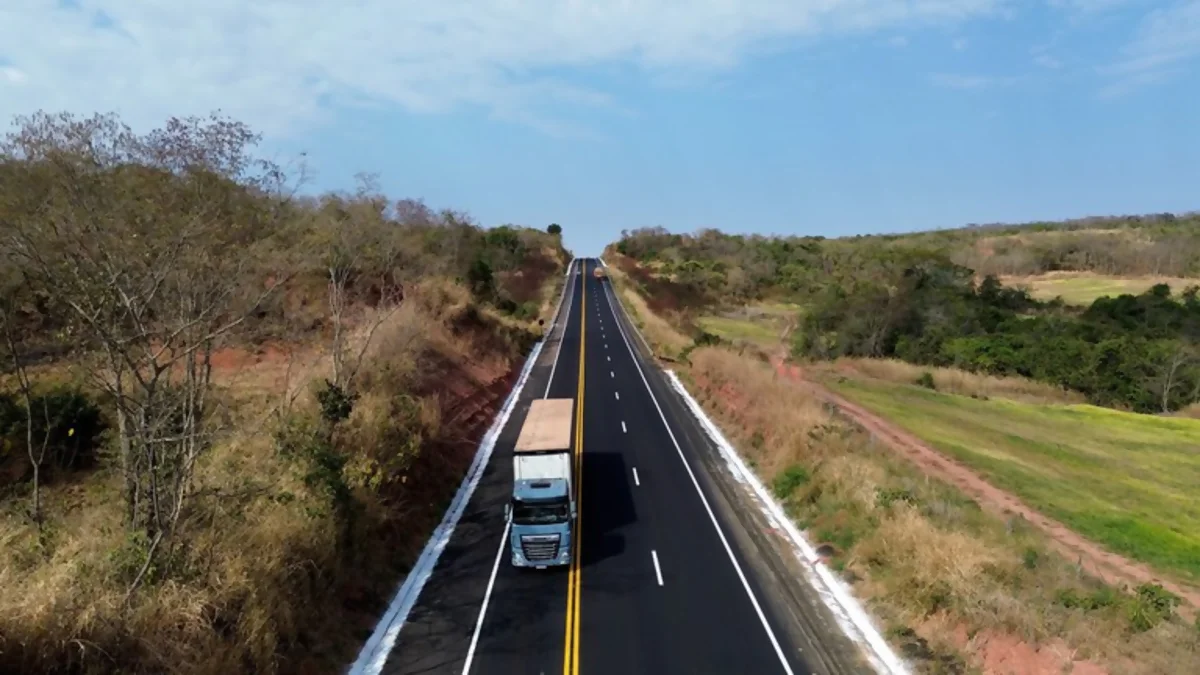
661 581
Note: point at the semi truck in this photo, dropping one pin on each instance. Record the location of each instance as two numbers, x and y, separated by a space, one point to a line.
542 507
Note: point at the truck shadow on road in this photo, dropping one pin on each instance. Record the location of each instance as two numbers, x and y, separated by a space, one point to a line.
607 506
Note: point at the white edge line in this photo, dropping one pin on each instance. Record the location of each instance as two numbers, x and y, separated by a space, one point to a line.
487 597
657 569
375 651
787 668
849 613
846 609
636 481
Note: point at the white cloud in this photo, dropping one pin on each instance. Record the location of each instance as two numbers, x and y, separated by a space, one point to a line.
1047 61
11 75
1089 6
898 41
960 44
1165 42
960 81
277 63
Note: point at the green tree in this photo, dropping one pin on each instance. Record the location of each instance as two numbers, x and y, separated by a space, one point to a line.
554 228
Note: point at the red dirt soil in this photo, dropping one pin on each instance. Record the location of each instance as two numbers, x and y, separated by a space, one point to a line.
1095 560
1006 654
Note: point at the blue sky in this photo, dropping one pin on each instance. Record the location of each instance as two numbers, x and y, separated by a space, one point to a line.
823 117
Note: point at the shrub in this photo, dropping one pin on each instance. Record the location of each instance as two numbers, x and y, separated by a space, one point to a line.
71 424
787 482
926 380
1151 605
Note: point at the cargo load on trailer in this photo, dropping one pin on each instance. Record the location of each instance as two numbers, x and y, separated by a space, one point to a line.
542 506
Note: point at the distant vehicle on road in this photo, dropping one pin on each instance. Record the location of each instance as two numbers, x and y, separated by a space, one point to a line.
599 273
542 508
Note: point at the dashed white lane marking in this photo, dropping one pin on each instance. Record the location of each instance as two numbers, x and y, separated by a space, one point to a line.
617 394
636 481
657 569
612 374
623 427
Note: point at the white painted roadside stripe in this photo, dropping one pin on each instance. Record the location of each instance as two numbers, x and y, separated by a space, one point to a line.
787 668
487 598
636 481
657 569
852 618
848 612
375 652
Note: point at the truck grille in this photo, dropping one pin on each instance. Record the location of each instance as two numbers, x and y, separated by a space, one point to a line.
540 547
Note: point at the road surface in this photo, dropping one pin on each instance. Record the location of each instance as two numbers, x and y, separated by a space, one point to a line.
673 575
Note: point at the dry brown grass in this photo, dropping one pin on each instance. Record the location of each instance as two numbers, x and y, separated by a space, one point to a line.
663 337
266 582
951 380
1192 411
924 558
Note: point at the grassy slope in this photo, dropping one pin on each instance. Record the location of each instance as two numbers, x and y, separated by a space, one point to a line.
946 579
1124 480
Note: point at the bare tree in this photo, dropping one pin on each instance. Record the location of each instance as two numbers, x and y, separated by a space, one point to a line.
153 243
359 250
1171 377
11 286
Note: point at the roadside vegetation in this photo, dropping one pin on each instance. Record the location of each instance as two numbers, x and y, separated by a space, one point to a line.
953 586
920 330
230 414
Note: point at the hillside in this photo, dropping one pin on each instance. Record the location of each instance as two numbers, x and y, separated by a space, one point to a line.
230 415
903 402
912 297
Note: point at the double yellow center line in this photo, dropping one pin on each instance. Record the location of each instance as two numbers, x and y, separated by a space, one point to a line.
574 576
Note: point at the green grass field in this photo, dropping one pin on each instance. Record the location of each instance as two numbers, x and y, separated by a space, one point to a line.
759 324
1083 289
1129 482
753 331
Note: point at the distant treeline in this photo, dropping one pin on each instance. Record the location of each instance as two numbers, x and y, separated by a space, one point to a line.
749 266
933 298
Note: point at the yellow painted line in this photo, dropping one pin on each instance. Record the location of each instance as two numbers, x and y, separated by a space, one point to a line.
574 575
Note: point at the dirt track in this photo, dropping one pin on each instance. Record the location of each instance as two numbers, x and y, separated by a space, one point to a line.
1091 557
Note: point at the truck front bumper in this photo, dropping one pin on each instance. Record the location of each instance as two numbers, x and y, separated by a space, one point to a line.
519 559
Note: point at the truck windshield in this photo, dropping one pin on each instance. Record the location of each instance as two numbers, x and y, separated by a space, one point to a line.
539 514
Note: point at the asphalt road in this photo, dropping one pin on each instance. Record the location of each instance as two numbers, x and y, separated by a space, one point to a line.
669 576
